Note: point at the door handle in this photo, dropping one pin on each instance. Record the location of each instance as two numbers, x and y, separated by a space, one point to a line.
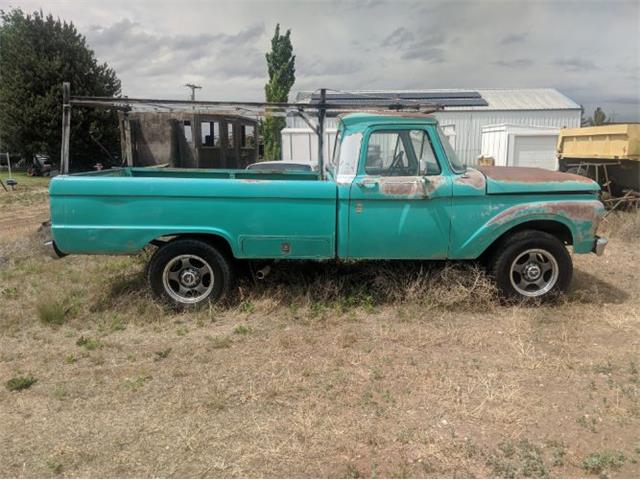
369 184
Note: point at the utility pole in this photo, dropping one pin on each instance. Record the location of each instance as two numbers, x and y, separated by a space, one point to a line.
193 88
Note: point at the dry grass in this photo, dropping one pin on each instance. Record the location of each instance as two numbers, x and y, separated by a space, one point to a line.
321 370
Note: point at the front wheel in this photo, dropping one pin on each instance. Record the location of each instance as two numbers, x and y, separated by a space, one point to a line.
189 272
532 265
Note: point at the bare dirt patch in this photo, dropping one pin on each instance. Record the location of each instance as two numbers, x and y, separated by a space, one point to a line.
378 370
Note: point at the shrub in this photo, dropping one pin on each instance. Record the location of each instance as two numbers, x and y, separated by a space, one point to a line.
20 383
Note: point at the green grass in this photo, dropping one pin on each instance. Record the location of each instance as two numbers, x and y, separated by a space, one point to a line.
600 463
51 312
20 383
242 330
89 343
220 342
162 354
23 179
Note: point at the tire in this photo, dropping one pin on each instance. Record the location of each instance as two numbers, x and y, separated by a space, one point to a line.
532 265
189 273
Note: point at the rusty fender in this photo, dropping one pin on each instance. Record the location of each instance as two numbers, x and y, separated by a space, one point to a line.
584 216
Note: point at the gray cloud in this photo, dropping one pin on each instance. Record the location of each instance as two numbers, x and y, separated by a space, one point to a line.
575 64
513 38
426 47
158 46
516 63
231 55
398 38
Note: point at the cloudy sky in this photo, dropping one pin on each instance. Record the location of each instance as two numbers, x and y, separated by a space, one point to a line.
589 50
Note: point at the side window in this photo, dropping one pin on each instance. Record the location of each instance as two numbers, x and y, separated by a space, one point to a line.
388 155
188 134
210 132
424 153
247 136
230 138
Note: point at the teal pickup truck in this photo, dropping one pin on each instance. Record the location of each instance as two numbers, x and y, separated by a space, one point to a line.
393 190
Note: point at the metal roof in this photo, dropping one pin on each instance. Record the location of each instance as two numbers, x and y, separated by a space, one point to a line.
496 98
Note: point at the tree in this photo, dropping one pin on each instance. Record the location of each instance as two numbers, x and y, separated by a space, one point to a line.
37 54
599 118
281 69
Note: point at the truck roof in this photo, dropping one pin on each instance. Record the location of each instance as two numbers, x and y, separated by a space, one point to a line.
361 120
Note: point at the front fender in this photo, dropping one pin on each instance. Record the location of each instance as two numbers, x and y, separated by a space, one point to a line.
581 217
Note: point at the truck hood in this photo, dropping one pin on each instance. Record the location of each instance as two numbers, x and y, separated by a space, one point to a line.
534 180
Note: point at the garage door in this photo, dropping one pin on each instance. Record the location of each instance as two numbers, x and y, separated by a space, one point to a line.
535 151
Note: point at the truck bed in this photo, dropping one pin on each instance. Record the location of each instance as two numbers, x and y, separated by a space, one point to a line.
259 214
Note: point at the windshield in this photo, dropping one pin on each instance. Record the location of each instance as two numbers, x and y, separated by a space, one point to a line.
456 165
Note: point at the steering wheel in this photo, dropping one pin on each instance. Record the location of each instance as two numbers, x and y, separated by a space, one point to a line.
397 162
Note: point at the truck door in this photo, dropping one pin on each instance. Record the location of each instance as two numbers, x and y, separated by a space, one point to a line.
399 199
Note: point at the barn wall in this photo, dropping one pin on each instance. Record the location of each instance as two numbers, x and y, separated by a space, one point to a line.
466 126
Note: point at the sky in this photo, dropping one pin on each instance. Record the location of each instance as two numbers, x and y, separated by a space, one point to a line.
589 50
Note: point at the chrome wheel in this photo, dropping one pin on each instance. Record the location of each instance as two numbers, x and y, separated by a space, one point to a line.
188 279
534 272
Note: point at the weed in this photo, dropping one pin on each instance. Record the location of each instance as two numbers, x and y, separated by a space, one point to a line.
221 342
20 383
604 368
52 312
217 402
59 392
352 471
70 359
54 466
181 331
587 422
247 307
9 292
377 373
242 330
600 463
116 325
558 452
162 354
89 343
521 460
135 384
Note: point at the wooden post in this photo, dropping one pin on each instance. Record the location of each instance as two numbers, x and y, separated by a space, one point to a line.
66 128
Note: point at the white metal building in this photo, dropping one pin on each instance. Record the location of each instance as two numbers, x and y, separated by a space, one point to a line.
537 107
521 146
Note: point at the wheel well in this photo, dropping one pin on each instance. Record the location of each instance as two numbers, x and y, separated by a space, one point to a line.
220 243
557 229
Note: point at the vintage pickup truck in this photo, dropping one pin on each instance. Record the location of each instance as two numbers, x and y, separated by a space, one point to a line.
394 189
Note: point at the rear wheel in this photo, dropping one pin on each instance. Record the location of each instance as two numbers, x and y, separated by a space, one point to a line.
189 272
532 265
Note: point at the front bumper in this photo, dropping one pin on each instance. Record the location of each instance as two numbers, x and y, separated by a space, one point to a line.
599 245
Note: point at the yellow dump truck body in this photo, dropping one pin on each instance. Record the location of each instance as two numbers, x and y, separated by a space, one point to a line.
606 142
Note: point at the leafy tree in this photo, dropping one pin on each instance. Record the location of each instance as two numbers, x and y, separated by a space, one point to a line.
599 118
281 68
38 53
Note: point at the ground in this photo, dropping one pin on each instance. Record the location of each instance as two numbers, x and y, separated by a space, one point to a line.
378 370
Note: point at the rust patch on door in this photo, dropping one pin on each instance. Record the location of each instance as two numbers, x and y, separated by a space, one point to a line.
405 187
